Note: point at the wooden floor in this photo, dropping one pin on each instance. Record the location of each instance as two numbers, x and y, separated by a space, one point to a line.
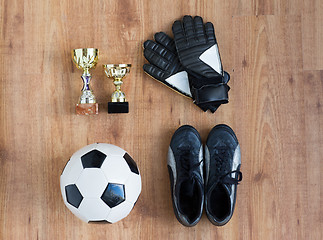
274 53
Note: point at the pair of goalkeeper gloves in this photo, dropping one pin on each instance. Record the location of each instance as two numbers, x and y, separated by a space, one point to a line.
190 64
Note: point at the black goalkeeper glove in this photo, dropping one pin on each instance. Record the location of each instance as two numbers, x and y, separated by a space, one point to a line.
165 67
198 53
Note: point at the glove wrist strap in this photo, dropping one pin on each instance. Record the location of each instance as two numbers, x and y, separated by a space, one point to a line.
215 93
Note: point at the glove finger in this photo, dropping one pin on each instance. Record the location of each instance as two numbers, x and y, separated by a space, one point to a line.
159 50
179 35
209 31
149 44
188 26
154 71
155 59
166 41
199 29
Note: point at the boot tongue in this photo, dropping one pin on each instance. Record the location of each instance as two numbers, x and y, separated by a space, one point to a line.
188 181
187 187
216 184
213 184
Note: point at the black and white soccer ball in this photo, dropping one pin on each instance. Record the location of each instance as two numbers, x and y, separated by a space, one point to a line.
100 183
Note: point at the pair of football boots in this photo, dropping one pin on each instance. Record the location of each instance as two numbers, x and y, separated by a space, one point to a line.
206 176
190 64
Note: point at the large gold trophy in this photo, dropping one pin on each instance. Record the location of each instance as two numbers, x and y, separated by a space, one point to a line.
85 59
118 102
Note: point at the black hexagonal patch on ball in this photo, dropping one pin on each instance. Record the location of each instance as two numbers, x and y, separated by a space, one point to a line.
93 159
114 194
73 195
131 163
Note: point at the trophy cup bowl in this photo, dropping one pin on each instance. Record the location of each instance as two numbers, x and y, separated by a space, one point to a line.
85 59
118 102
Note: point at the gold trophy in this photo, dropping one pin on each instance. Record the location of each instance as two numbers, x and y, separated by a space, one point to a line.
86 58
118 102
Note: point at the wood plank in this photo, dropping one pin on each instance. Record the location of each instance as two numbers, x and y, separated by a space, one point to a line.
263 7
312 49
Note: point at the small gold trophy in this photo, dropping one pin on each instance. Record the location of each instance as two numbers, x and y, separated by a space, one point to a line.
118 102
86 58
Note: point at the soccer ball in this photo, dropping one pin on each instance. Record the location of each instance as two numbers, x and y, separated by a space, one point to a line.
100 183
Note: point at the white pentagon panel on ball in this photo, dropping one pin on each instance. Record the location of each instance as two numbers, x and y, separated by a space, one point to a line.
110 149
133 187
119 212
71 172
76 212
92 182
70 175
116 169
94 209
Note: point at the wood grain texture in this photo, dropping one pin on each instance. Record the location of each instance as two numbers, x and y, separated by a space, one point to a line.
272 49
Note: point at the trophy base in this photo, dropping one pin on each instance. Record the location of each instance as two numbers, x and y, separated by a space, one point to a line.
118 107
87 108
